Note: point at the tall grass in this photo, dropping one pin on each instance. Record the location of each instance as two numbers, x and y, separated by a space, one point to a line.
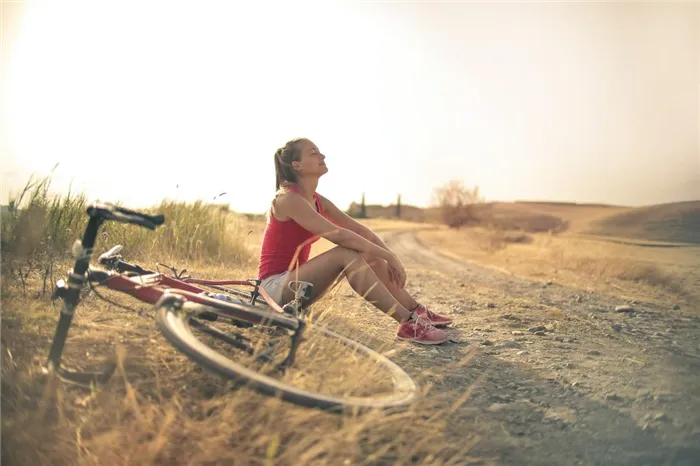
39 228
192 232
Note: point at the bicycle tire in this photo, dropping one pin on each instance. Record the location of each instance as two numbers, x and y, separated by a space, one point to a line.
173 321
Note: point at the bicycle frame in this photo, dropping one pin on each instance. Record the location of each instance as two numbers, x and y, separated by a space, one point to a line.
112 260
150 287
258 291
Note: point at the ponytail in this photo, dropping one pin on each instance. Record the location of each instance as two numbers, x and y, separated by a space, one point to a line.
284 156
278 169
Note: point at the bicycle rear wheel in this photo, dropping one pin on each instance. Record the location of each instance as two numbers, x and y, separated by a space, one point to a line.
329 371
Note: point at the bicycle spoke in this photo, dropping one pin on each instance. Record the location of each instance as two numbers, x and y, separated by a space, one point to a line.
237 340
321 362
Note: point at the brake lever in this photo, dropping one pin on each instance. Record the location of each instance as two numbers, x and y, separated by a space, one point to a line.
172 269
179 275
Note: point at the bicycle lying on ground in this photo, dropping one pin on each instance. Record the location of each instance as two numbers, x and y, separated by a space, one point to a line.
241 335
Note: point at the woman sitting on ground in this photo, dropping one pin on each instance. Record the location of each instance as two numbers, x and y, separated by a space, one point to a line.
299 216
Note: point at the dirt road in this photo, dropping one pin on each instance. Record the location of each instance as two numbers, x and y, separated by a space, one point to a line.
559 376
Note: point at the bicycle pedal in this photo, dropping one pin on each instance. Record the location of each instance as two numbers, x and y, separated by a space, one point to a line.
291 309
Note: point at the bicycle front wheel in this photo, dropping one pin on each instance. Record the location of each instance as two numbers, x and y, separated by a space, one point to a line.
328 370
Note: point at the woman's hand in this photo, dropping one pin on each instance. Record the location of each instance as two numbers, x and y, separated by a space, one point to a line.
397 274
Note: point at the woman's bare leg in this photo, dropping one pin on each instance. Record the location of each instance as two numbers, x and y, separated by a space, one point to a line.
324 269
381 269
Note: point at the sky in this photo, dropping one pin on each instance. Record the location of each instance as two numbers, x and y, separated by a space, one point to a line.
138 102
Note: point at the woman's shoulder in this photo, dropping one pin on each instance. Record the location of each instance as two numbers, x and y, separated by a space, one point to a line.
285 201
285 192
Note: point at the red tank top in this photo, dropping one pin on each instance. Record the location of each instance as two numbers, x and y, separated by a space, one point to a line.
281 240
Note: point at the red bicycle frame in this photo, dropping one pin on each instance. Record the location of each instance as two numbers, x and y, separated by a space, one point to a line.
150 288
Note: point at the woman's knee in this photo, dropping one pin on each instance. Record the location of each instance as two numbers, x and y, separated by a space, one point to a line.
347 257
376 263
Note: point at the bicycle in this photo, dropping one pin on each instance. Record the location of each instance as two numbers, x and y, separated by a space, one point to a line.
262 341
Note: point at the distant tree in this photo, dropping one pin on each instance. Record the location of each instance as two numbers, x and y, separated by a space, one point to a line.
457 203
363 208
398 206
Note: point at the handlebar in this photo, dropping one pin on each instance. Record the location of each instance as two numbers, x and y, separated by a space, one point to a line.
110 211
70 291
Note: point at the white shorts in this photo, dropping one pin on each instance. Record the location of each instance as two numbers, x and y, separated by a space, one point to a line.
274 285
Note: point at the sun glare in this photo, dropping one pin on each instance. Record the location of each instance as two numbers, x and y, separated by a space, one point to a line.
139 103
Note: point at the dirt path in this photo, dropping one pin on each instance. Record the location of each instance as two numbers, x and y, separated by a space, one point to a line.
560 376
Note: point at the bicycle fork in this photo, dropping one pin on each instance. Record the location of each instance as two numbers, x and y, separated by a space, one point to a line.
70 294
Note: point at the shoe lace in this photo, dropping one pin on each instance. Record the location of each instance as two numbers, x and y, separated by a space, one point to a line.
422 321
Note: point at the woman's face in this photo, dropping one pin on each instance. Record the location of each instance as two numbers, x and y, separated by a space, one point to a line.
312 161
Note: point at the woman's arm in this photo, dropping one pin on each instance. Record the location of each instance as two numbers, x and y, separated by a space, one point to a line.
295 207
343 220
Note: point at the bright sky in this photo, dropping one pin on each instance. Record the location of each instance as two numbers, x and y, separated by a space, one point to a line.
140 101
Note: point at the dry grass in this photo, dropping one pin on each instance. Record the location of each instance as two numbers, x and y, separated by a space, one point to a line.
160 408
39 228
585 263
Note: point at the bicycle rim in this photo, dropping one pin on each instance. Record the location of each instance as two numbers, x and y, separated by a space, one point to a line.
331 389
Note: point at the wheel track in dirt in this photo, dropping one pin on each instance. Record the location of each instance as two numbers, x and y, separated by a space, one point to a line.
601 395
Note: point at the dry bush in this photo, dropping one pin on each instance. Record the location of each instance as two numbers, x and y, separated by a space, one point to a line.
457 204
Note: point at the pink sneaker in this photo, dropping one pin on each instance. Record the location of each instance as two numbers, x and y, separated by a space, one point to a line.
436 319
421 331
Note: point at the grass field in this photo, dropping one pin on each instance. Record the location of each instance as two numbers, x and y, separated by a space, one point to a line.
160 408
589 263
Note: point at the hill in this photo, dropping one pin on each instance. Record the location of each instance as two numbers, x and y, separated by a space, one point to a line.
529 216
674 222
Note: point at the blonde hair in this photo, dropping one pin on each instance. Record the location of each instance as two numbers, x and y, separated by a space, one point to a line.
284 156
284 172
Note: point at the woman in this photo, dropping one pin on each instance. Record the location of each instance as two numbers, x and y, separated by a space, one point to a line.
299 216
